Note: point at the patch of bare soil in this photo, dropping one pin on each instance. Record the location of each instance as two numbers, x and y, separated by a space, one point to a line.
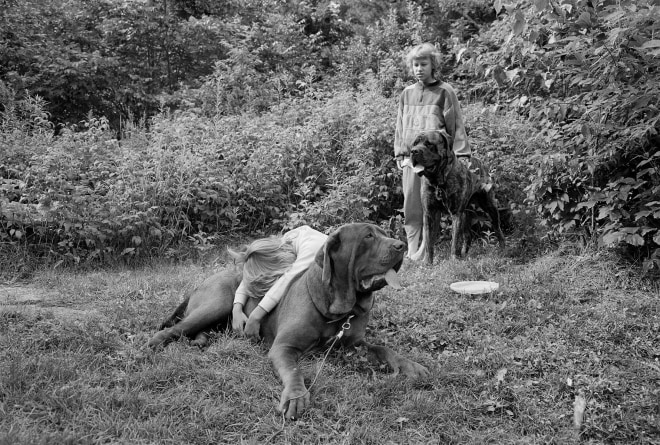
34 300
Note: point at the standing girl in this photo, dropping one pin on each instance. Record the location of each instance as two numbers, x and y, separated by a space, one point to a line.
428 105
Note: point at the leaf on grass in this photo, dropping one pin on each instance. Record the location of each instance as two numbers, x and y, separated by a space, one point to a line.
579 405
499 376
499 76
492 407
541 4
634 239
511 75
519 24
612 238
651 44
584 21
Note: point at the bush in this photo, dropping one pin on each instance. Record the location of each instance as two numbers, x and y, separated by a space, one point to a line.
86 195
587 77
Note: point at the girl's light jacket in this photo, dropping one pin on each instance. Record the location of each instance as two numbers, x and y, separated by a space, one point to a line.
424 108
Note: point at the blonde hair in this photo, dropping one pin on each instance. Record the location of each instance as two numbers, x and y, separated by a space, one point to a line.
425 51
264 261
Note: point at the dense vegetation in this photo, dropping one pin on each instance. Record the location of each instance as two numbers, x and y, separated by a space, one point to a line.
129 127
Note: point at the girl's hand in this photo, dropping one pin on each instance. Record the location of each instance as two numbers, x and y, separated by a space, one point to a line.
254 323
252 329
402 162
238 319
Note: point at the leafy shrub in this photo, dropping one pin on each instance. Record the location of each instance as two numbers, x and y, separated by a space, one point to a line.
318 159
587 75
295 122
504 141
361 180
111 58
85 195
274 155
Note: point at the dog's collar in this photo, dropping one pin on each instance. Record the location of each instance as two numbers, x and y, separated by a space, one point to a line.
345 326
357 311
345 317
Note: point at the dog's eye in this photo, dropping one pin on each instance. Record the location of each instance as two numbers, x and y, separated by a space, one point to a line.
369 235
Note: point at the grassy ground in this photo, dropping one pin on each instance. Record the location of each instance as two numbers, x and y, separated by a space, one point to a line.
515 366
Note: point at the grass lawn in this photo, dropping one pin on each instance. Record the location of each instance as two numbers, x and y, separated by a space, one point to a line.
571 338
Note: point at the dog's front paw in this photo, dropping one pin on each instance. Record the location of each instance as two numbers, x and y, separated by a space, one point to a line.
293 402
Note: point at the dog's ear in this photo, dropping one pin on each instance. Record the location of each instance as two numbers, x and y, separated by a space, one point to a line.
324 258
445 139
420 138
337 260
433 137
445 145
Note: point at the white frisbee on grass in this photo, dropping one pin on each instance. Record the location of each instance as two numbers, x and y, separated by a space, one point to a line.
474 287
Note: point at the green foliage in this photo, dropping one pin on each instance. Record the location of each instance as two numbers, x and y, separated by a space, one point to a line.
586 73
263 145
112 58
301 95
464 19
360 178
253 77
83 195
317 159
380 49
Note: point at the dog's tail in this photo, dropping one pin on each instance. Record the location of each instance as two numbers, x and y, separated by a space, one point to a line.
176 316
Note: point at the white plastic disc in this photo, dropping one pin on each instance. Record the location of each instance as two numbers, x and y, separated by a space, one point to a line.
474 287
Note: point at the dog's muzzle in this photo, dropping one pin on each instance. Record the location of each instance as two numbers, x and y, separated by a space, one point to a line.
416 158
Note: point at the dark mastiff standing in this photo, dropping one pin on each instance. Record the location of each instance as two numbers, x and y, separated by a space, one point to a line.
450 185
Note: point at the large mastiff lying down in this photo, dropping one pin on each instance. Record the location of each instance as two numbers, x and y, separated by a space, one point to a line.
356 260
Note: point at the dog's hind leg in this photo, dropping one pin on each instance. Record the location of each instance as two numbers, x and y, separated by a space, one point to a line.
465 239
432 212
466 242
487 202
164 336
206 316
176 316
209 306
457 233
433 234
201 339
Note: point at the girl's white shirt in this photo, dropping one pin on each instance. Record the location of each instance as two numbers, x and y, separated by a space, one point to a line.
306 243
